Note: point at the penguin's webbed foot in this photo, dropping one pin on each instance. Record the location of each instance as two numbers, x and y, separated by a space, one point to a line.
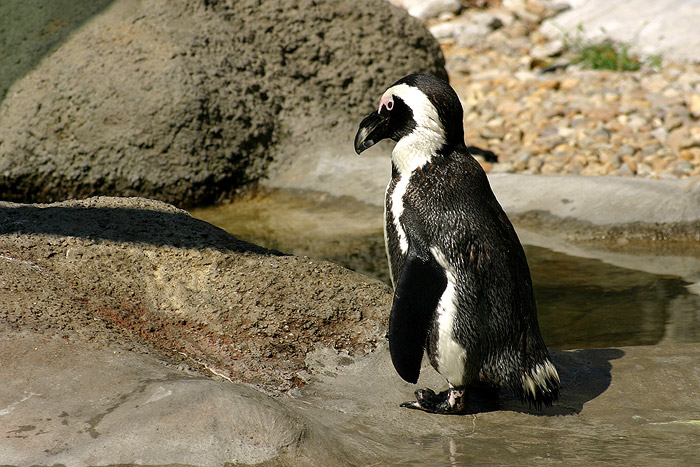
450 401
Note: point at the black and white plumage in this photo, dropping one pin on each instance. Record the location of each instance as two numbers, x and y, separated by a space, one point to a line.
462 286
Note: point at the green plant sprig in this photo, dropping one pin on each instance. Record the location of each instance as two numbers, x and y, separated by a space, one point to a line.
606 54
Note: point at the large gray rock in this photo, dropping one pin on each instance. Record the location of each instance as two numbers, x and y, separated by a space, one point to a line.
149 276
188 101
76 404
26 38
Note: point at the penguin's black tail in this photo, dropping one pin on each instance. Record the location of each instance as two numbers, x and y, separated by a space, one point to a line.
540 385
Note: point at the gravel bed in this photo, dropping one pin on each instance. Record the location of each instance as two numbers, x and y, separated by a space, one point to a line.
527 102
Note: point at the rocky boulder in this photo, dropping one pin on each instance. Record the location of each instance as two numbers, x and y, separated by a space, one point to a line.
139 412
150 277
188 101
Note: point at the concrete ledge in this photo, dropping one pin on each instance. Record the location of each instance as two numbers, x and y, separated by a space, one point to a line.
600 200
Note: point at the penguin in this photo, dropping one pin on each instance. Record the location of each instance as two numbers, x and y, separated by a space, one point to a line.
462 287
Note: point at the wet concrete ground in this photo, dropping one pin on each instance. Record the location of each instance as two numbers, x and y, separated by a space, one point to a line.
633 405
75 404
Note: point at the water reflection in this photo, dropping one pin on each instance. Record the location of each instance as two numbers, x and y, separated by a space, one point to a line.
586 303
583 303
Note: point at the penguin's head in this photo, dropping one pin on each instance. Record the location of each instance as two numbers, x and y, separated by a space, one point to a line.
421 112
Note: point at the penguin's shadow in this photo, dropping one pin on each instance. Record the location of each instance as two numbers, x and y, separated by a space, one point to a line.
585 374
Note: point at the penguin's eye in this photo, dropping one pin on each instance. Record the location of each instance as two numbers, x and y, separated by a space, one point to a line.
386 102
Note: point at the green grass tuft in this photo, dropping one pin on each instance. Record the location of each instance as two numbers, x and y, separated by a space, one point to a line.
606 54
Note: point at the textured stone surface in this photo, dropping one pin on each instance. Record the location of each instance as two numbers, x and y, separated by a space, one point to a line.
188 101
147 275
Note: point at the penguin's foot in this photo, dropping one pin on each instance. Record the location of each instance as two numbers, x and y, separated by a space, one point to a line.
450 401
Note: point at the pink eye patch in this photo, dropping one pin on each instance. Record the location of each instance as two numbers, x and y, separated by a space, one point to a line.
387 102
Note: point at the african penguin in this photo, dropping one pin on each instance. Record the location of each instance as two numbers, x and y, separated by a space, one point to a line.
462 286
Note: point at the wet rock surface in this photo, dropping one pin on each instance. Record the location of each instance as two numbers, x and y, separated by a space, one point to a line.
72 403
189 101
106 405
634 404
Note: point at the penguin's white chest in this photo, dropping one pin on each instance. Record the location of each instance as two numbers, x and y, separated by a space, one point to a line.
397 208
394 201
451 355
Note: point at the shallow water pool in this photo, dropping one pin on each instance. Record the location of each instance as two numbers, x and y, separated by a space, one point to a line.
582 303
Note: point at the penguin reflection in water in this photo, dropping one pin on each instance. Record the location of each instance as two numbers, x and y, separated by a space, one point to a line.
462 287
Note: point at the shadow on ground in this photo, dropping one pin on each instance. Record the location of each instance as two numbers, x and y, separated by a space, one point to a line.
32 29
585 375
171 226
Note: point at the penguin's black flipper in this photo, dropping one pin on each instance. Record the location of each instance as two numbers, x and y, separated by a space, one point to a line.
417 293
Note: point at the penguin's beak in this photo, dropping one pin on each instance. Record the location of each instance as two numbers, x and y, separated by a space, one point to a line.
373 129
